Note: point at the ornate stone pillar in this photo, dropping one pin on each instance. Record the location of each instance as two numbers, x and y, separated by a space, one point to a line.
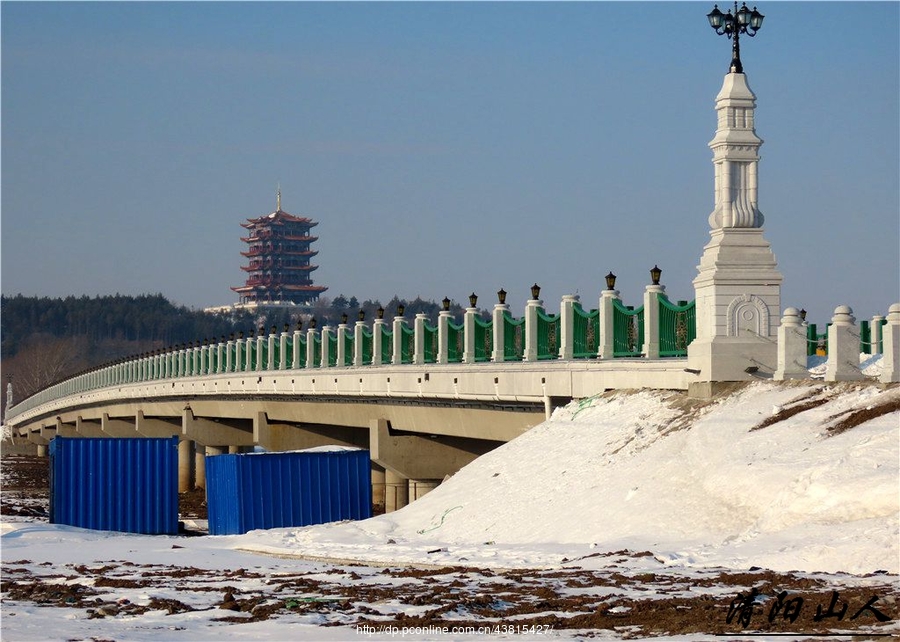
738 285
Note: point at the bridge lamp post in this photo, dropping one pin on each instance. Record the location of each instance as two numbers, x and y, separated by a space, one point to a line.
379 313
501 296
344 319
473 300
610 281
730 24
446 304
535 292
655 275
362 315
400 310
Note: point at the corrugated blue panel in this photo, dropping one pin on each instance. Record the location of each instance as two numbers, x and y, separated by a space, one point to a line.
276 490
115 484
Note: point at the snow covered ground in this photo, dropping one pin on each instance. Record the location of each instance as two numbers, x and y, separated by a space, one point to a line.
802 479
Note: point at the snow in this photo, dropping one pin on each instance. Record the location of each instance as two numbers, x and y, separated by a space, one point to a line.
700 485
626 471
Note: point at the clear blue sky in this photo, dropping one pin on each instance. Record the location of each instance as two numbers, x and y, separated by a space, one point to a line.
443 147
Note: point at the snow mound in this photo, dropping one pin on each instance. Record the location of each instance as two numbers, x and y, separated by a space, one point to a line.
764 477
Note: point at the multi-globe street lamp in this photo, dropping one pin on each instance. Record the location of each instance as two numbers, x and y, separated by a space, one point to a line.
730 24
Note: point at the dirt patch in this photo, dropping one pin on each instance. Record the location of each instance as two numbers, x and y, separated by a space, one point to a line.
857 417
634 604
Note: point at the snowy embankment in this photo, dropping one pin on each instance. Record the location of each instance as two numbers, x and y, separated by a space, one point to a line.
774 475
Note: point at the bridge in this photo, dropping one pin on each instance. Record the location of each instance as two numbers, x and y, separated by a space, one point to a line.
427 399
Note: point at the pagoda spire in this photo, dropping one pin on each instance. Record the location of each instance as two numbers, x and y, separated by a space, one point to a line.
278 197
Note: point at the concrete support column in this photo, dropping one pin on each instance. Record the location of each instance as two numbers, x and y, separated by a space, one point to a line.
397 330
443 336
311 346
283 342
791 347
567 326
419 338
500 309
204 359
421 487
272 364
249 353
229 356
652 294
359 331
531 329
326 345
607 334
199 468
261 341
341 358
396 491
41 450
377 341
378 486
890 361
469 335
843 347
185 465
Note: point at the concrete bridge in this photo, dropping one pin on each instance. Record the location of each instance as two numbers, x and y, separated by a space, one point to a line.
426 400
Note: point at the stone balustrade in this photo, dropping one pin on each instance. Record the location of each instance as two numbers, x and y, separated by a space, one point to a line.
843 343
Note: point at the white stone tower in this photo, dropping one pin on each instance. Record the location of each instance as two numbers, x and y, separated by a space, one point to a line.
738 285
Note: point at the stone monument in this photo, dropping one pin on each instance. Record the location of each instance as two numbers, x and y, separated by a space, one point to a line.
738 285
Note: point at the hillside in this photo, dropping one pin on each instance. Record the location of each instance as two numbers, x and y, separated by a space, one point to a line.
784 476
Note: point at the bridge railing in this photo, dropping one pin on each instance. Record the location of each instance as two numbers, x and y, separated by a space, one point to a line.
610 331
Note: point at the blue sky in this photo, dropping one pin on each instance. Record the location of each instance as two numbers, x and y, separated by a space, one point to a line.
443 147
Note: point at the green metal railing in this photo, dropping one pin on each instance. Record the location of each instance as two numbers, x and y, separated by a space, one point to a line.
547 335
816 341
387 345
348 348
628 330
484 339
455 342
407 344
513 338
865 337
677 327
586 332
366 347
317 351
430 346
332 349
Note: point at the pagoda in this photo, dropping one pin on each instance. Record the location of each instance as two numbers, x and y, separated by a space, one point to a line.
279 272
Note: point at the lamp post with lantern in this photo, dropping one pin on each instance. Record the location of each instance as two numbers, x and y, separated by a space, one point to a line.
730 24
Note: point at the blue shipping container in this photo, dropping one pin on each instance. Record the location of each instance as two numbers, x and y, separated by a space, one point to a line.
277 490
115 484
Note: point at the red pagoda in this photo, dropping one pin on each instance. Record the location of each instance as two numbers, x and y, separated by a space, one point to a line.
279 272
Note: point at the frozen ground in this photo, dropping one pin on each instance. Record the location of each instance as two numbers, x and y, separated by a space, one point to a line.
641 514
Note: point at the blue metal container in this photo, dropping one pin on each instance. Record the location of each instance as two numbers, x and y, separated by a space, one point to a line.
115 484
276 490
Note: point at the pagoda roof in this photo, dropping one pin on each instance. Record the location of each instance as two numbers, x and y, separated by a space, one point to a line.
278 217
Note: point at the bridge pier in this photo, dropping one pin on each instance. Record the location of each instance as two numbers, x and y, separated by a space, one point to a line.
278 436
117 426
89 428
396 491
185 465
64 429
424 459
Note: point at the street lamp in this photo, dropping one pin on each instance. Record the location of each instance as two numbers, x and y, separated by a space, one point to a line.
729 24
655 274
610 281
